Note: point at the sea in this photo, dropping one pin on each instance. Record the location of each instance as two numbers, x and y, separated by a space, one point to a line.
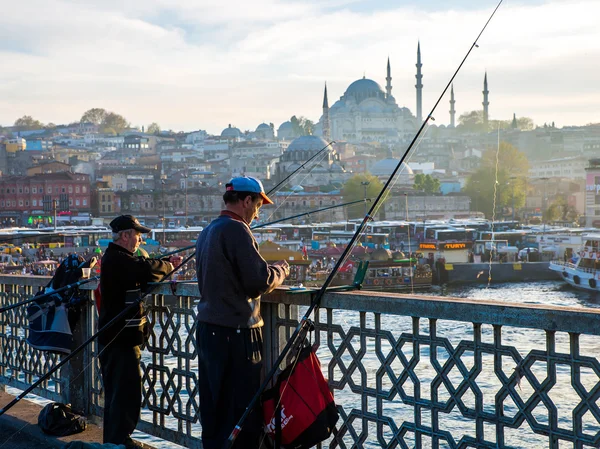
551 293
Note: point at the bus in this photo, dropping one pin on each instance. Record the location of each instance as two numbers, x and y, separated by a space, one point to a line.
514 238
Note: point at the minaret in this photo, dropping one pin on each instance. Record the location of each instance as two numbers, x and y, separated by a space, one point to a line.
485 103
388 86
452 110
419 86
326 133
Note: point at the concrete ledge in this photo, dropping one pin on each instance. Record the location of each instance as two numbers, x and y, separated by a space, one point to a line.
19 429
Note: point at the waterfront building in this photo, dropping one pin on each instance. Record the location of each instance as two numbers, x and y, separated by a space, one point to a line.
572 167
23 196
423 206
592 194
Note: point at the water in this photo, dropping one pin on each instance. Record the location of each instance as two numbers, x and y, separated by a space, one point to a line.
552 293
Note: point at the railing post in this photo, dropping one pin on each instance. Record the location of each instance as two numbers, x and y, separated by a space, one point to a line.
269 313
78 371
275 337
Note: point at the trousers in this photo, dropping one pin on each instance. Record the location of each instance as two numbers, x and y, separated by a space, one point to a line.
122 379
229 374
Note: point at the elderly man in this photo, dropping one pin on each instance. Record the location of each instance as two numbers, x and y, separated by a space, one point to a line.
119 345
231 277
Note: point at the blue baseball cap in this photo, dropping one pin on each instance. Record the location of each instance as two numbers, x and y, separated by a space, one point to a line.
247 184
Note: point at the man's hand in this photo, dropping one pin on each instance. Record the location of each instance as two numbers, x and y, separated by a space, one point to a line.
283 264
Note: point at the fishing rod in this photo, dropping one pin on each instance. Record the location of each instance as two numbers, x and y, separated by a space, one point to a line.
47 295
309 213
77 350
316 300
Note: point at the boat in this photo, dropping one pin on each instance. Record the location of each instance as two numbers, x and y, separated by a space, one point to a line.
583 270
386 271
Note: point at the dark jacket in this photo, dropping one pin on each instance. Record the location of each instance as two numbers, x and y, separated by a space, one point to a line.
232 274
122 271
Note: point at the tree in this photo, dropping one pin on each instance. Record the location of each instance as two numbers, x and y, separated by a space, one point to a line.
94 115
427 184
302 126
354 190
153 128
511 175
473 122
27 122
560 210
115 122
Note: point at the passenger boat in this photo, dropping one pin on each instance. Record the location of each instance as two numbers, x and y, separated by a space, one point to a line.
386 271
582 272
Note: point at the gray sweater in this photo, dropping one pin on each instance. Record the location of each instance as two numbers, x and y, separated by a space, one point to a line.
232 274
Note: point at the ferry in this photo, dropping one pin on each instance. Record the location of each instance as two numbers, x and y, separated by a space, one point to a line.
386 271
582 272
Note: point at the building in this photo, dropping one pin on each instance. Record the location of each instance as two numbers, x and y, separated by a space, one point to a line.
300 201
366 112
409 205
572 167
48 167
592 194
138 144
23 196
322 170
264 132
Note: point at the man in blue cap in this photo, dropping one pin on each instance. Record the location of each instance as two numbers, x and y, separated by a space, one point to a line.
232 275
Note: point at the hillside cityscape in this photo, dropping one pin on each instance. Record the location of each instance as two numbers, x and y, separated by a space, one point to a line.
100 165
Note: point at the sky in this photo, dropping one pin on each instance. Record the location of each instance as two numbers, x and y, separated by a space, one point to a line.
204 64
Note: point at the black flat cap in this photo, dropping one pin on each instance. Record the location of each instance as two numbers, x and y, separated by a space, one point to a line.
125 222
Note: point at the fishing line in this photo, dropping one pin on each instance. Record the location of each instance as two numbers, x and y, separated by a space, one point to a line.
394 180
315 164
494 211
412 282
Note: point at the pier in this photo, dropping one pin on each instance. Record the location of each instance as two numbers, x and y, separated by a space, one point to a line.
406 371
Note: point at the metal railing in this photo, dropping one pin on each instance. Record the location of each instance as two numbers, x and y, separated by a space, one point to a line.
406 371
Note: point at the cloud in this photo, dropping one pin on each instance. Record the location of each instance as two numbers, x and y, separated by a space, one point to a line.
192 64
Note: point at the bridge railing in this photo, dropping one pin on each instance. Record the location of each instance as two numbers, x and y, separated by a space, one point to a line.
406 371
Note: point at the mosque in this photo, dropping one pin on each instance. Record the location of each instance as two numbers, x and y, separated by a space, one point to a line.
368 113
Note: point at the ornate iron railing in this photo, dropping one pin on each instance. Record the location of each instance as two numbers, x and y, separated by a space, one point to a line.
407 371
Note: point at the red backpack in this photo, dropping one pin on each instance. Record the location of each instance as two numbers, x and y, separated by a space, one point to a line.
299 411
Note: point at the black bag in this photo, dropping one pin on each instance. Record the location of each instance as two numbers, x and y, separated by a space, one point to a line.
58 419
52 318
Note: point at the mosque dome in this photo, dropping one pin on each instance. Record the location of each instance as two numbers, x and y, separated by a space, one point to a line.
231 132
307 143
385 168
284 126
364 88
263 127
